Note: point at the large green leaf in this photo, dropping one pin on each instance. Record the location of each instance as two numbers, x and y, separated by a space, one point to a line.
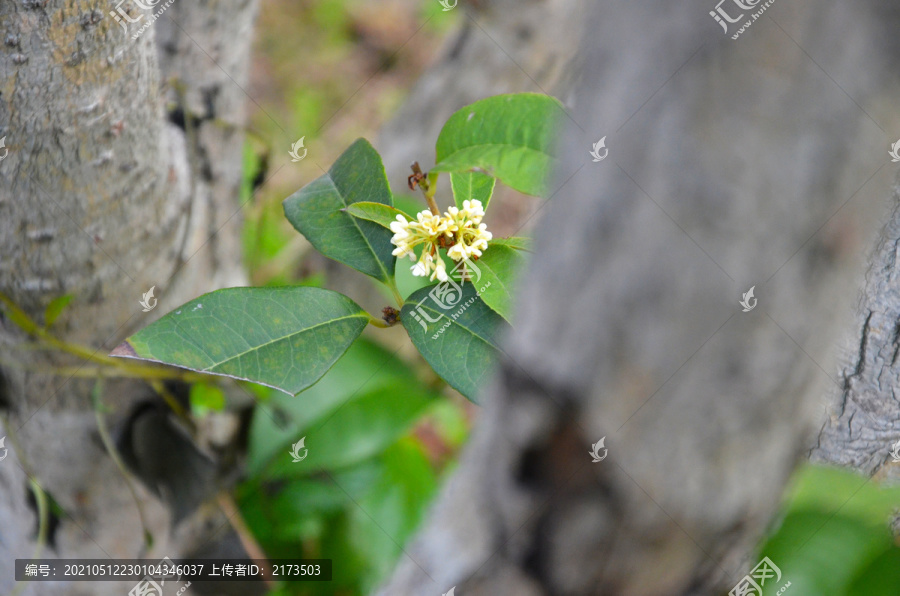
456 332
834 527
881 577
289 504
831 489
379 503
509 137
317 211
500 265
286 338
392 508
471 186
820 552
362 405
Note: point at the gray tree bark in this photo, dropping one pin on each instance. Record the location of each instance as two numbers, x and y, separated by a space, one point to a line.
863 427
733 163
122 174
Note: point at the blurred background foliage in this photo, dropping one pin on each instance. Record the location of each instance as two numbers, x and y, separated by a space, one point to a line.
382 430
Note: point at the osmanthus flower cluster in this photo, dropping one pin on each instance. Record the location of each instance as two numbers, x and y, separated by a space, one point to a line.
459 229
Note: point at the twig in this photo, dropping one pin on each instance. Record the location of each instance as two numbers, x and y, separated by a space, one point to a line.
233 513
96 398
420 179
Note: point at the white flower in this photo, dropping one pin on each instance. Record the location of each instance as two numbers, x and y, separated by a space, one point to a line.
461 229
400 228
430 263
458 252
470 234
409 234
474 210
440 270
420 269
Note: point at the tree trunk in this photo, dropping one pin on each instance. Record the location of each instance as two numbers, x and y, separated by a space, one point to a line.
733 163
123 170
863 428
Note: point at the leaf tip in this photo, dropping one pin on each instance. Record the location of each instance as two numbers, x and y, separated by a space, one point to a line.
124 350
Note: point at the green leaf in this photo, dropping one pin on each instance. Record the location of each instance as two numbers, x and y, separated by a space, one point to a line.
820 552
205 397
462 350
286 338
291 503
317 212
361 515
56 308
522 243
879 578
383 215
834 526
409 205
392 508
360 407
471 186
407 283
499 267
508 137
831 489
370 420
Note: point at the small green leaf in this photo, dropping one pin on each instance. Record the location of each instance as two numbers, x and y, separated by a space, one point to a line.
472 186
383 215
499 268
317 212
56 308
206 397
455 331
286 338
508 137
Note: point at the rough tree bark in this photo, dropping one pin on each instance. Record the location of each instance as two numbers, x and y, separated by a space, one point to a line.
755 162
864 424
122 173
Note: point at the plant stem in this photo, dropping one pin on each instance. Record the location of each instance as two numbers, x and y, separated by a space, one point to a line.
233 513
428 189
375 322
131 369
392 286
40 498
125 372
96 398
173 403
43 523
